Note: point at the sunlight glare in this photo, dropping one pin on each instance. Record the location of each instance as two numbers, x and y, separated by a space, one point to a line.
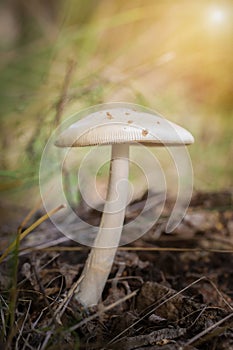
217 15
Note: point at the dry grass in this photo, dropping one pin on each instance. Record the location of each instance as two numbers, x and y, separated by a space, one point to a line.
38 310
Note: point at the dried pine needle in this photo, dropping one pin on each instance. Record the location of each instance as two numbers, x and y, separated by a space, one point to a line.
22 235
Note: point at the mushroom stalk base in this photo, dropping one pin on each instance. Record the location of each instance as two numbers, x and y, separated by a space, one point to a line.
101 257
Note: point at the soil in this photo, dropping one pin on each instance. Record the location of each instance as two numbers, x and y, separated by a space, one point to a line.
165 291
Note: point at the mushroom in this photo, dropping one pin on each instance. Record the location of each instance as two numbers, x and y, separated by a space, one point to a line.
119 127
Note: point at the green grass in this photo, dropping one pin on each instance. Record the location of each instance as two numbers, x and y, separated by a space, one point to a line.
119 56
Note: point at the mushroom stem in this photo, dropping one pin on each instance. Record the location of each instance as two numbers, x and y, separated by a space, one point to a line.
101 257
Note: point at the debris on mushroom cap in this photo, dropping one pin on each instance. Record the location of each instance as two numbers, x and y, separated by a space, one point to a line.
109 116
113 126
144 132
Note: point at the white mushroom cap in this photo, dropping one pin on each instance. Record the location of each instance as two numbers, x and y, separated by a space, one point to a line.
123 125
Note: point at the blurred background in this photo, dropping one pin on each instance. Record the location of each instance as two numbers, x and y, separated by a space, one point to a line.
58 57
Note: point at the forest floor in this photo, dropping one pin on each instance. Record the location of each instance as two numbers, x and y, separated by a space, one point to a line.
165 292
